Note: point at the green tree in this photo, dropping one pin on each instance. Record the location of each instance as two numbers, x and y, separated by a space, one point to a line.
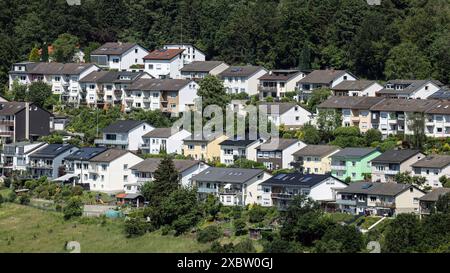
19 91
443 203
348 137
64 48
417 127
403 234
34 55
349 239
309 134
371 136
88 49
327 121
318 96
73 208
213 92
400 65
247 164
39 92
212 206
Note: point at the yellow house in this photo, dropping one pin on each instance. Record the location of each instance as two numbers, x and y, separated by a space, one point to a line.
203 148
315 159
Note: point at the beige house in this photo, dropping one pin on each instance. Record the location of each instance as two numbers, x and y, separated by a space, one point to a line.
314 159
203 148
392 162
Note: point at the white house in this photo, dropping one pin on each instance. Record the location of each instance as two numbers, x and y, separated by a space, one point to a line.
164 63
108 87
190 53
124 134
144 171
278 153
432 168
167 95
77 163
110 170
358 88
322 79
163 139
276 83
15 156
119 56
437 119
279 190
63 78
242 79
197 70
233 149
288 114
233 186
47 160
410 89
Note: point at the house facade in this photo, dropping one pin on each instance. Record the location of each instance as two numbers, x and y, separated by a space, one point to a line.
203 148
276 83
119 56
322 79
77 163
190 53
164 63
353 163
163 140
358 88
428 201
49 160
290 115
314 159
124 134
15 156
432 167
392 162
233 149
410 89
242 79
278 153
198 70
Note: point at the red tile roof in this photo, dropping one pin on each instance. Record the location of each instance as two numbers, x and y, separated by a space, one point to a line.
163 54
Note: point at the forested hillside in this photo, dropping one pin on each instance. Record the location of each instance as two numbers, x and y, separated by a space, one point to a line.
399 39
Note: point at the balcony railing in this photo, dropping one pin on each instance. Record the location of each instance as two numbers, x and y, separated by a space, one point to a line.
40 166
339 167
286 196
391 172
267 88
207 190
348 202
6 133
230 191
7 122
111 142
385 204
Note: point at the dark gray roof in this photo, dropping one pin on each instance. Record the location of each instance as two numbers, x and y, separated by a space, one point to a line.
387 189
238 142
85 153
323 76
240 71
441 107
395 156
227 175
353 85
57 68
412 86
277 144
109 155
350 102
433 161
52 150
354 152
113 49
434 195
111 77
11 107
403 105
297 179
201 66
150 165
280 75
158 84
317 150
160 133
441 94
283 107
122 126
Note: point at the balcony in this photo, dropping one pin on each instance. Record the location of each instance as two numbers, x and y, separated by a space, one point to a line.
207 190
143 179
40 166
339 167
347 202
111 142
285 196
385 204
7 122
146 99
230 191
263 88
6 133
391 172
129 99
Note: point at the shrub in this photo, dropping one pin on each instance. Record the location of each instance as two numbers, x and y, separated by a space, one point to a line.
7 182
209 234
256 214
24 199
73 208
245 246
77 190
239 226
12 197
44 194
236 213
1 199
136 227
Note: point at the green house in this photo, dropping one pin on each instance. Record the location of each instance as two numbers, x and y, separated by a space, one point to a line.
353 163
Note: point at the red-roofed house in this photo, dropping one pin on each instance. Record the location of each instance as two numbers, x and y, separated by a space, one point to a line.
164 63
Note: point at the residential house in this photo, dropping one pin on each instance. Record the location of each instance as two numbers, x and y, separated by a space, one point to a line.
233 149
392 162
410 89
59 123
77 163
124 134
233 186
163 140
110 171
108 87
279 190
64 78
353 163
167 95
198 70
119 56
242 79
368 198
15 156
164 63
358 88
190 53
276 83
355 111
205 148
322 79
437 119
22 121
314 159
432 168
145 171
291 115
278 153
49 160
441 94
428 201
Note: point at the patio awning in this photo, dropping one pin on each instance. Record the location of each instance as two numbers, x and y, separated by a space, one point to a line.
65 177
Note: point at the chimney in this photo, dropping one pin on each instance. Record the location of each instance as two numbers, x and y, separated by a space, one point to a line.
27 120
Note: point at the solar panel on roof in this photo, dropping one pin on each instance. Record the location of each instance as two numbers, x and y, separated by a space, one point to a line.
366 186
280 176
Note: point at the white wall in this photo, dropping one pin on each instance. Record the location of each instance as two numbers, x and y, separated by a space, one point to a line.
288 154
324 190
135 136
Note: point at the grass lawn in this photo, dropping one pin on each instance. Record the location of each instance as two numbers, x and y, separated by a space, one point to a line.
27 229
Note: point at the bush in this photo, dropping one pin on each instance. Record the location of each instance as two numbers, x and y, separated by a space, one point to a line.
7 182
77 190
136 227
74 208
239 226
12 197
209 234
1 200
245 246
24 199
236 213
256 214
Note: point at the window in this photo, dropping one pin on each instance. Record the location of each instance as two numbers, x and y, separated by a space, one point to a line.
150 66
57 79
125 167
345 78
136 51
191 147
373 199
91 86
297 118
125 178
115 60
